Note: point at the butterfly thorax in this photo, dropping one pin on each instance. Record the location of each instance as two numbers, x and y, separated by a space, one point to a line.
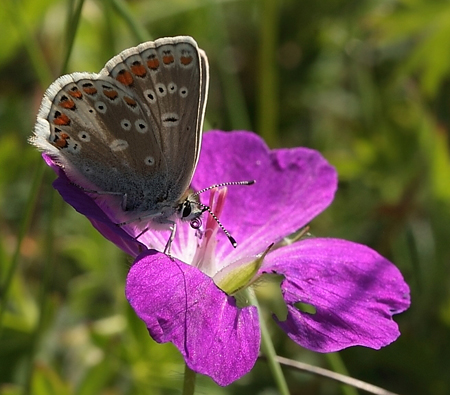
141 204
190 208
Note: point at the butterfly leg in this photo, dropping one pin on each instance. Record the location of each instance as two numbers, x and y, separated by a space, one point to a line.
124 201
173 229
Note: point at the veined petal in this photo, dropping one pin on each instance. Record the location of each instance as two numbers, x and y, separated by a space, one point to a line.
180 304
292 187
354 290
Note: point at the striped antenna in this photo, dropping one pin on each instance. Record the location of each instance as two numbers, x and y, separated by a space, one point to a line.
208 209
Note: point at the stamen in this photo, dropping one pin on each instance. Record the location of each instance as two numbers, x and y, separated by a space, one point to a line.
208 209
204 258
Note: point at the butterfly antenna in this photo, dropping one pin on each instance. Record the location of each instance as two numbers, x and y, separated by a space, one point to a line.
208 209
224 184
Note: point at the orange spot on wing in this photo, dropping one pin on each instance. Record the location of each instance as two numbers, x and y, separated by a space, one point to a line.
168 59
185 60
153 63
125 77
130 101
67 103
110 94
90 89
61 119
138 69
60 140
75 93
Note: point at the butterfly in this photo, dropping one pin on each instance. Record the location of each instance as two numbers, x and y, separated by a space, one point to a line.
131 134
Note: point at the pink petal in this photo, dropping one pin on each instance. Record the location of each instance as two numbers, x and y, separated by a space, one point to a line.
354 290
180 304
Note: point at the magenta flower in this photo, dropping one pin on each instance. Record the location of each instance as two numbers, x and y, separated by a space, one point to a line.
188 300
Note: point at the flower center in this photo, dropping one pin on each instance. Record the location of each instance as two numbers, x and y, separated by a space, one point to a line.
235 276
204 258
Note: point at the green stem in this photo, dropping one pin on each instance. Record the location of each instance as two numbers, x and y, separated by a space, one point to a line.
30 43
25 223
267 124
109 31
269 350
73 22
338 366
189 381
233 92
139 31
43 297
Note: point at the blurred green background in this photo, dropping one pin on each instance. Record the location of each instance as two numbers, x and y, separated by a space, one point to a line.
365 82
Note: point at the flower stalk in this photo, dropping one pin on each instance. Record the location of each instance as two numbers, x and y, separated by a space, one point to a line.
189 381
268 349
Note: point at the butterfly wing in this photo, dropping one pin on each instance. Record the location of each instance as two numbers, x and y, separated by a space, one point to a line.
170 76
91 126
134 129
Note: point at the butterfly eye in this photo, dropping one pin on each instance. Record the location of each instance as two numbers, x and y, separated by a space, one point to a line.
187 209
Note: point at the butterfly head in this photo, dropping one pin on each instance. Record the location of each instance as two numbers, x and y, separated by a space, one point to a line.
190 209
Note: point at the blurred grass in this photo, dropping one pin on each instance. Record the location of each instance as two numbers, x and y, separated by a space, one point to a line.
366 83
